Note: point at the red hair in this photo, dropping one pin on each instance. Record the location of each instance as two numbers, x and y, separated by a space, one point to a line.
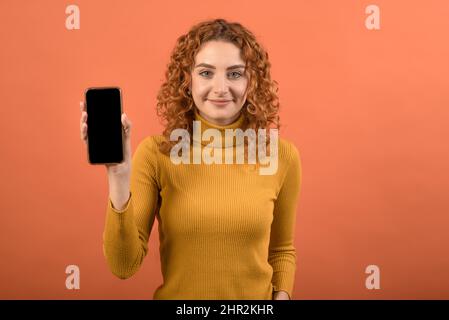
176 107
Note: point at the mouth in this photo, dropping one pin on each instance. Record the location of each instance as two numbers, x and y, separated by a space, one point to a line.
219 102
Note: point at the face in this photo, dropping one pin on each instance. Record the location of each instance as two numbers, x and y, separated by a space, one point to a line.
219 75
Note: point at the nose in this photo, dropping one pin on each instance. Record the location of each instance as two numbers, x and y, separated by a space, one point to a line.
220 86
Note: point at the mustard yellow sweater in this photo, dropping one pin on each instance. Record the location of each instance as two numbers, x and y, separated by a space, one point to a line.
225 230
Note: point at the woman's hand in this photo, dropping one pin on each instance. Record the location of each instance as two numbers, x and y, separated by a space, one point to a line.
280 295
122 169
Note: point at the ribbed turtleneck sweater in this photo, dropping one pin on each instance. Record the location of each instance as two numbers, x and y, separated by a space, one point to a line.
225 231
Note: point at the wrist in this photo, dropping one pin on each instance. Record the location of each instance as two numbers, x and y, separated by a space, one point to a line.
118 173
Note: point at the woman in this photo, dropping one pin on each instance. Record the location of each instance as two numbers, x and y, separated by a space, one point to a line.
225 230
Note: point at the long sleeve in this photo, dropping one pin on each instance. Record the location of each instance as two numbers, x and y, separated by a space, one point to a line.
282 253
126 232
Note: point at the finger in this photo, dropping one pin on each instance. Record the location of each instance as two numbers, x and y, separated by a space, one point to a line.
83 117
84 131
126 123
82 106
84 128
127 129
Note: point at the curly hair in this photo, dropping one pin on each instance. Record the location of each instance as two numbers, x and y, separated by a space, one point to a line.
176 107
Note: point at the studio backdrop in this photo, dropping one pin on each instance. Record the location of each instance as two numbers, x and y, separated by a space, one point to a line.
364 96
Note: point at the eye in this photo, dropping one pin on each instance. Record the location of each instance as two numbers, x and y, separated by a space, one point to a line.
234 74
201 73
238 74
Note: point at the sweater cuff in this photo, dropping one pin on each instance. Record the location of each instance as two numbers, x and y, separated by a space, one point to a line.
119 223
283 282
124 209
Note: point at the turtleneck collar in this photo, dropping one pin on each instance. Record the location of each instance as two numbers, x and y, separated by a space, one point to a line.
205 124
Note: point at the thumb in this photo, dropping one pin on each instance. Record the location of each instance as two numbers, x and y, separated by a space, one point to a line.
126 123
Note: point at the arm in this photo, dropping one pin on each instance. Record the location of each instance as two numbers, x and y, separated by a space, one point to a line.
126 232
282 253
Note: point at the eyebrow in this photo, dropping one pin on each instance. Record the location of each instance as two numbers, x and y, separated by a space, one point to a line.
237 66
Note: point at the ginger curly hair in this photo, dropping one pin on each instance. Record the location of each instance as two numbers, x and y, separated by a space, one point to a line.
176 107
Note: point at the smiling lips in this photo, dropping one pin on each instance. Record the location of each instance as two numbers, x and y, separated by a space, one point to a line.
219 102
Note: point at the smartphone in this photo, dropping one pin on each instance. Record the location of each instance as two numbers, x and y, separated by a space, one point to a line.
105 136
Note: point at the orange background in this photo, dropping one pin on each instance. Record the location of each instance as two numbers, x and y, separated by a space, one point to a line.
367 110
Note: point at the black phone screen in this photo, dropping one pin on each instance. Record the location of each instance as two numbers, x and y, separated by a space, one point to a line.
104 126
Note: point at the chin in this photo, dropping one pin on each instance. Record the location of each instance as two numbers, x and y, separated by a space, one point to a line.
219 113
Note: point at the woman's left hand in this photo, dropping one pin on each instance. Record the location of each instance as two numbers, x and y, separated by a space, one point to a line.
280 295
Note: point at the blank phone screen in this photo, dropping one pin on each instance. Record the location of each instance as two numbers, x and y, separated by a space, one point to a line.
104 127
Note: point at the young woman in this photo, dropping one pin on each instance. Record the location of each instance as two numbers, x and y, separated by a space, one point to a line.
225 230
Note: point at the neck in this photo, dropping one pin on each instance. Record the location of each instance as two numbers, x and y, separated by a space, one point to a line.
218 136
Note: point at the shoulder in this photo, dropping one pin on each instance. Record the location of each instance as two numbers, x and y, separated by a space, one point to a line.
289 159
146 159
148 148
290 156
150 142
288 152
